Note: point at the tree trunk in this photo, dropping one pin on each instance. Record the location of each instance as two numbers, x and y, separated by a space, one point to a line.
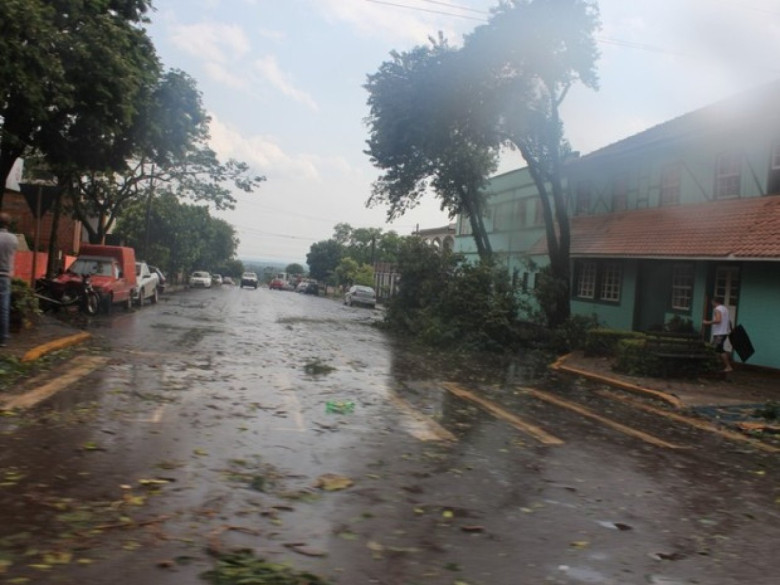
52 262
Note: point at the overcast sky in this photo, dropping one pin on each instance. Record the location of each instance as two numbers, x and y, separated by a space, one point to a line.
282 80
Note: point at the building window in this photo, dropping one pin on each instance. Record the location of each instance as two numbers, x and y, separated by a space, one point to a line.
670 185
611 279
682 287
582 201
620 194
728 171
586 280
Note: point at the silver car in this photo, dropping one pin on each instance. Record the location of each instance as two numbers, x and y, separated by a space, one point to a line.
360 295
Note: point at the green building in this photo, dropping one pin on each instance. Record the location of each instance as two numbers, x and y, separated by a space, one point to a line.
664 220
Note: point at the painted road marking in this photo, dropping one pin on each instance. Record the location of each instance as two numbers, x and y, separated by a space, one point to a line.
80 366
694 422
416 424
536 432
581 410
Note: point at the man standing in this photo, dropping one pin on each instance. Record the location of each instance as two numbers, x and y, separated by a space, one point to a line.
721 327
8 245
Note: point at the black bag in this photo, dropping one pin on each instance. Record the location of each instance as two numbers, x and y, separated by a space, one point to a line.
741 343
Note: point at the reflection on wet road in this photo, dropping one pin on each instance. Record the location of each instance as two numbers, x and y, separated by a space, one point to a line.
290 425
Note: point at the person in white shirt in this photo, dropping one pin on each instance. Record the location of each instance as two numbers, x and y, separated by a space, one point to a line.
721 327
8 245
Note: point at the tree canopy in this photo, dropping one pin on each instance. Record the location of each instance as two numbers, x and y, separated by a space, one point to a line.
440 117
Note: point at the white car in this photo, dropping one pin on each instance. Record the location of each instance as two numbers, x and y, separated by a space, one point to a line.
148 282
200 279
360 295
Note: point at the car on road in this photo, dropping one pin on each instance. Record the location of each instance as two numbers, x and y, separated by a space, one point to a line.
200 279
249 279
277 284
147 283
160 278
227 280
216 279
360 295
312 288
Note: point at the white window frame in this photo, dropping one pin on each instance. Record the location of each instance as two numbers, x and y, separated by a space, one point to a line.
611 282
682 287
728 175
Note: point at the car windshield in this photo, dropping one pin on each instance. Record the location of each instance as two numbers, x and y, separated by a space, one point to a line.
366 290
91 266
200 275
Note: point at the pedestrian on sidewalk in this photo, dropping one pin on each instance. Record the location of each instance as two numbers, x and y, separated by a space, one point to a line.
8 245
721 327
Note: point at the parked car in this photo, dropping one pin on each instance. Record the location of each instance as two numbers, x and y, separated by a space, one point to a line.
160 278
227 280
200 279
360 295
312 288
216 279
277 284
301 287
146 284
112 272
249 279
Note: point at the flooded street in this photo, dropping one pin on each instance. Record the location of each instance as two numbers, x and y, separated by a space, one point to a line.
290 426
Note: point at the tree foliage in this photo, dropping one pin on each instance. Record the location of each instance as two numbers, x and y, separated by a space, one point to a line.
524 62
179 237
323 258
448 302
440 116
61 59
420 139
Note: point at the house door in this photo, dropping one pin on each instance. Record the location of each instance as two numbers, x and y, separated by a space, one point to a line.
727 287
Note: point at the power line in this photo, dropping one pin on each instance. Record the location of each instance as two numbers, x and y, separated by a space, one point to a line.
457 7
418 9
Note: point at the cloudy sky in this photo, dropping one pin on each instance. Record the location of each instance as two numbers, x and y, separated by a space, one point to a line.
282 80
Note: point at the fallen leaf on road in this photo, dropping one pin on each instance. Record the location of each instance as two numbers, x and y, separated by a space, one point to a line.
305 550
331 482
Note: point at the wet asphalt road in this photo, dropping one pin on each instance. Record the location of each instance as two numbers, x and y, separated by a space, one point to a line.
208 429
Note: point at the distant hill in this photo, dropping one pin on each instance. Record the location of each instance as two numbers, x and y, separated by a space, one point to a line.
258 264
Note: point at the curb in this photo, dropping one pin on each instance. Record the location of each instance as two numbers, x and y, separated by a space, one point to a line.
41 350
559 366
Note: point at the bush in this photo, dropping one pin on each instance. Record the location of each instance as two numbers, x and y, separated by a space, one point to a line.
24 305
604 342
572 334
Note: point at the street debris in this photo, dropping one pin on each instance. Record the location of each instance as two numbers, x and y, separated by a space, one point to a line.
339 407
245 567
331 482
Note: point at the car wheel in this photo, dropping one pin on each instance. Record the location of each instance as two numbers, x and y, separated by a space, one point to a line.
155 296
141 298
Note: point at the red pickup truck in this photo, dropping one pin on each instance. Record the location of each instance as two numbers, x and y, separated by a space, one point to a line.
112 270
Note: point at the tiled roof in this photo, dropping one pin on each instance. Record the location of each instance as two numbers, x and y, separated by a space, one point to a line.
736 229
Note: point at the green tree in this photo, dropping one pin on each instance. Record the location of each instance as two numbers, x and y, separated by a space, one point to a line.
349 272
295 269
168 151
323 258
522 64
420 137
70 69
182 237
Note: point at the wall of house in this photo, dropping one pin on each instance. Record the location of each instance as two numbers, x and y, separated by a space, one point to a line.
618 315
759 311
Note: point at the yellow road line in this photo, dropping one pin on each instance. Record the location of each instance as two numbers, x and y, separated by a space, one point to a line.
38 351
80 367
694 422
536 432
581 410
419 426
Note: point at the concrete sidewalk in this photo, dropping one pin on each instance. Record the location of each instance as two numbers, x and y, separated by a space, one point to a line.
732 399
48 335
